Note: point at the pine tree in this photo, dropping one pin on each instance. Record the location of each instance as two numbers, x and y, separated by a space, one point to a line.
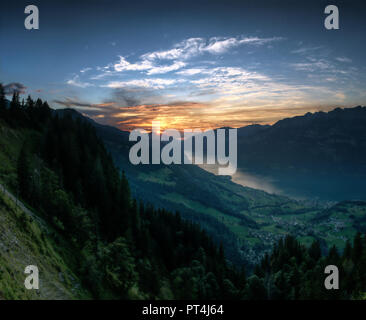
347 252
242 278
315 251
39 103
15 104
255 289
357 247
333 256
29 103
125 203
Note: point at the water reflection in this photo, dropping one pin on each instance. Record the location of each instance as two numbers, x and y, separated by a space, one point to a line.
256 182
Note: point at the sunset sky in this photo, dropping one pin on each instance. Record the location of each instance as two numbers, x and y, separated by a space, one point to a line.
201 64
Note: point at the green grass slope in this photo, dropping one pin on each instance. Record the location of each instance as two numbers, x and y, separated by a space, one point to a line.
25 241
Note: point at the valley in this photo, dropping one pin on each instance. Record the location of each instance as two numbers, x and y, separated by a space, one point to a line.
247 221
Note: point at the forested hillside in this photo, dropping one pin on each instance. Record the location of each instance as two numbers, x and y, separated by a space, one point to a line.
121 248
293 271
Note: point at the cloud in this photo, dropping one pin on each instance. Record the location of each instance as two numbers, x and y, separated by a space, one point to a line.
130 97
343 59
102 75
73 103
88 109
126 97
175 115
325 70
136 115
228 78
182 50
85 70
190 72
340 96
191 47
151 62
146 65
13 87
152 83
306 50
75 81
124 65
312 66
164 69
220 45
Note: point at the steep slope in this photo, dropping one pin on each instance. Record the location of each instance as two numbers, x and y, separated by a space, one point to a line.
25 240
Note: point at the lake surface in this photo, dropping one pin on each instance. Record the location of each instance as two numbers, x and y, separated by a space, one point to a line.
324 187
320 187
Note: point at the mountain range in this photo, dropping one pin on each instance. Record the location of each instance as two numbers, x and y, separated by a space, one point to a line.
249 221
319 155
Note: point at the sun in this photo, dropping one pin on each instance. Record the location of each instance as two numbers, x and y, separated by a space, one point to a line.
163 125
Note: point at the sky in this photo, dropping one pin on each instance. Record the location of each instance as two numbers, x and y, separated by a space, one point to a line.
187 64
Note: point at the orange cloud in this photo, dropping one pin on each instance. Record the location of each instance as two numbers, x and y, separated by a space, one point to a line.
193 115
